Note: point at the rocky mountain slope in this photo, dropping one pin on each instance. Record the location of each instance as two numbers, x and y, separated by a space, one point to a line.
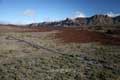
96 20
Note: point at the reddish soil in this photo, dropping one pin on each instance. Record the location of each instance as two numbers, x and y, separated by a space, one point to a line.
69 35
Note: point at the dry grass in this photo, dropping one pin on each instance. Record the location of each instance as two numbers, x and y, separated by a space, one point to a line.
89 61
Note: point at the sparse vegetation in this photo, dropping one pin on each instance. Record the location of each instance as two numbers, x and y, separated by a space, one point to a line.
78 61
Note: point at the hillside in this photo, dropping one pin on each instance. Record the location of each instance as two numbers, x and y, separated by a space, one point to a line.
96 20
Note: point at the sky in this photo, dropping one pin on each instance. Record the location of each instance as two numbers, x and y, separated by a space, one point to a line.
30 11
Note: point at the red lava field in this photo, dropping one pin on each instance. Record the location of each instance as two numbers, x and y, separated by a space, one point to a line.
84 36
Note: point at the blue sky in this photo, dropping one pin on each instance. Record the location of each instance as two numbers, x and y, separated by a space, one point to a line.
28 11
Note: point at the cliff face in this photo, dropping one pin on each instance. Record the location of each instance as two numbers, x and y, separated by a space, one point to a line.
100 20
96 20
116 20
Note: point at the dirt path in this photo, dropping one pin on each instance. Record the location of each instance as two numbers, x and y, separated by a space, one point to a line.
34 45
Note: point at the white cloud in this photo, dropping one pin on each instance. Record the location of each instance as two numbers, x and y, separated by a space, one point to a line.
111 14
79 14
49 19
29 13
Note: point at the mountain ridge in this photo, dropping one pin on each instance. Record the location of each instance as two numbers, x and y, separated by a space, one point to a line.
96 20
